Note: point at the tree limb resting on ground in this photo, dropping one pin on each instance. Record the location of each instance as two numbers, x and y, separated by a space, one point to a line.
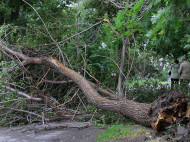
127 108
146 114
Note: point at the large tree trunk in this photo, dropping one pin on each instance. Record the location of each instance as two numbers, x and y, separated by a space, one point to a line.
139 112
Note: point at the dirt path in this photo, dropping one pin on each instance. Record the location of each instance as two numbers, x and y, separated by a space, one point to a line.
21 134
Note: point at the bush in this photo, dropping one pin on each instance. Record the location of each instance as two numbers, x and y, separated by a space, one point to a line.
147 92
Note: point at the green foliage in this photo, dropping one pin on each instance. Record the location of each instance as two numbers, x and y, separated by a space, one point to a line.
185 44
95 10
142 82
106 118
168 27
164 75
147 91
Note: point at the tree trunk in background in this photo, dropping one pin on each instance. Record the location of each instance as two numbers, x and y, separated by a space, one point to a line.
120 79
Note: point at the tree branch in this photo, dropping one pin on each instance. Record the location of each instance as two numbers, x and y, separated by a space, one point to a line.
127 108
81 32
21 93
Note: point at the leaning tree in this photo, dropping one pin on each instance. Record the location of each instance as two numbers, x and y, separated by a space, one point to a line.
166 110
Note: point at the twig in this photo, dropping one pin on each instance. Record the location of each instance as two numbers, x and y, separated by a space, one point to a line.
111 26
133 57
93 114
32 113
81 101
121 7
76 110
69 99
47 101
21 93
12 100
40 82
114 62
81 32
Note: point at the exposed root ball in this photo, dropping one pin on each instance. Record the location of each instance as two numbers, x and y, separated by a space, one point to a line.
168 109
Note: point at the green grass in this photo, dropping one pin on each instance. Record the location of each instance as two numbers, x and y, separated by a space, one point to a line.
117 131
114 132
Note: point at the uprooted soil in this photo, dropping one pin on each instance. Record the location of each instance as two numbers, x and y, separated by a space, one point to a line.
87 132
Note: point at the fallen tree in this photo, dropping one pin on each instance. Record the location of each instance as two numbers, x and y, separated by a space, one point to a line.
168 109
